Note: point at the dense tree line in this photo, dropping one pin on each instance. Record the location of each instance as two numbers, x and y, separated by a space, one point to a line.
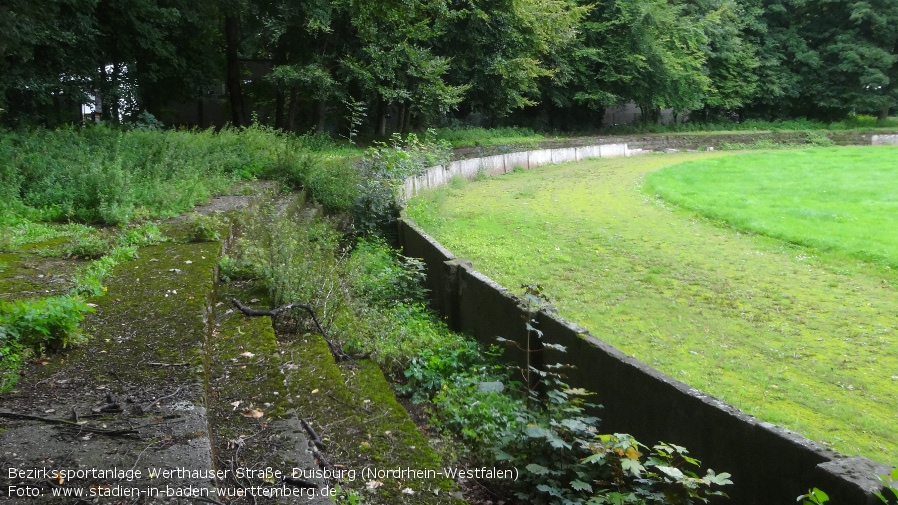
410 63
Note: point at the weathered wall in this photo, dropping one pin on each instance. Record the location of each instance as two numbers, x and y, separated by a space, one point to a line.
891 140
770 465
701 141
498 164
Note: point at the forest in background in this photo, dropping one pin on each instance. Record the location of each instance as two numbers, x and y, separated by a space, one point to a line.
404 65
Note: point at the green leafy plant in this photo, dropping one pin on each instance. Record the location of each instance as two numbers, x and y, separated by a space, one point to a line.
383 277
203 228
90 246
813 497
890 487
382 173
354 117
50 324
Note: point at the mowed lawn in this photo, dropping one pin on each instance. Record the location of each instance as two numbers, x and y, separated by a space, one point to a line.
835 200
793 335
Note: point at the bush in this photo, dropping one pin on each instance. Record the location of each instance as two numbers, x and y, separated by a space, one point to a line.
50 324
383 277
203 228
383 171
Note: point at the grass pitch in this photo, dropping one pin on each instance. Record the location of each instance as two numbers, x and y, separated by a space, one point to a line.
798 332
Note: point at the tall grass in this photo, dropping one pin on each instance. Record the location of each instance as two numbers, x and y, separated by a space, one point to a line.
473 136
105 175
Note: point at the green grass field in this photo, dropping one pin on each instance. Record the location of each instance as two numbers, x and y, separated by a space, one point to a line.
835 200
796 336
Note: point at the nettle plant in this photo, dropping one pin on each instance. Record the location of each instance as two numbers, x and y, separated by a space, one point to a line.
567 460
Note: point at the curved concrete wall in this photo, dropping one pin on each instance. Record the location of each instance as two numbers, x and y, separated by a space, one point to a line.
769 464
504 163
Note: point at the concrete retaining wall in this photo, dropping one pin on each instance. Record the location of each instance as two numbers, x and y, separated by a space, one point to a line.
891 140
770 465
504 163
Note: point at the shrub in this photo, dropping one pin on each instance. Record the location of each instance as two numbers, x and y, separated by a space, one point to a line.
203 228
90 246
383 170
384 278
44 325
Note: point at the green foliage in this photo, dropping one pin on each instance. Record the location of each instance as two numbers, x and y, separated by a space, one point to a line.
101 174
50 324
142 235
382 277
814 497
293 256
383 170
204 228
473 136
232 269
889 492
37 326
354 117
90 246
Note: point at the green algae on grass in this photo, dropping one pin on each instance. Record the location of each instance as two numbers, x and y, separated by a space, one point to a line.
783 332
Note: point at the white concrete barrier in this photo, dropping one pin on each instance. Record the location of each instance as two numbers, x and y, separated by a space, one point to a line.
885 140
493 165
504 163
520 160
564 154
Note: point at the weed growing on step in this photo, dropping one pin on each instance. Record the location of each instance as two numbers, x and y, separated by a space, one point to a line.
33 327
36 326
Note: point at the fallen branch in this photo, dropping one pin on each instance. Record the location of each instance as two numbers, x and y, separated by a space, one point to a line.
293 481
314 436
335 349
168 364
13 415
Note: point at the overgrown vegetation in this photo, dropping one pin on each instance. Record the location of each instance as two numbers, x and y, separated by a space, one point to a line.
38 326
384 169
475 136
35 326
370 301
107 175
697 125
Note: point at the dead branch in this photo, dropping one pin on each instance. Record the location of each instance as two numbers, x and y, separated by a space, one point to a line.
335 349
312 434
13 415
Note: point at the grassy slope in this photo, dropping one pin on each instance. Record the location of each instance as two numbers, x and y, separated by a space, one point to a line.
792 336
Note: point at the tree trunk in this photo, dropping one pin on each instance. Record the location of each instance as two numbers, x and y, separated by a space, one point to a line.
235 93
320 113
291 112
884 113
381 118
279 107
114 94
99 91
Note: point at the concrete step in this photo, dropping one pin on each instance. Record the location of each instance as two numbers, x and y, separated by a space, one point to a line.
136 392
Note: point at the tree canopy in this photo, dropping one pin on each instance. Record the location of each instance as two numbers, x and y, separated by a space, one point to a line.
296 64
